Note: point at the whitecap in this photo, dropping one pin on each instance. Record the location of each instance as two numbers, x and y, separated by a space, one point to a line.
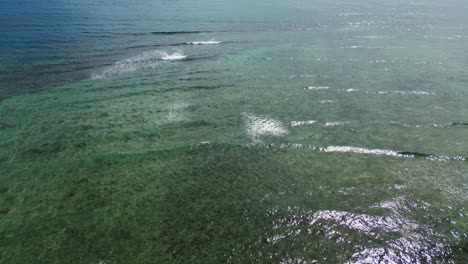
326 124
142 61
135 63
358 150
261 126
348 90
353 47
378 61
209 42
414 92
329 124
174 56
302 123
316 88
403 92
266 127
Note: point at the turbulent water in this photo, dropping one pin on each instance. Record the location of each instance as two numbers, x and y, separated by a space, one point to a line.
215 131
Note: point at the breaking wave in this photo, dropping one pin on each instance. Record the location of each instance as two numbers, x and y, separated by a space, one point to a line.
209 42
143 61
273 130
391 153
299 123
174 56
316 88
302 123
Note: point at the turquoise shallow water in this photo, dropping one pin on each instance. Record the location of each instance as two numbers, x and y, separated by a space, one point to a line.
214 132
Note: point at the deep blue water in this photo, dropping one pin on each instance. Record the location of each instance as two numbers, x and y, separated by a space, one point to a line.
47 43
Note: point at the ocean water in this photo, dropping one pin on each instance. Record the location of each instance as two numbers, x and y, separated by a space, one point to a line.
211 131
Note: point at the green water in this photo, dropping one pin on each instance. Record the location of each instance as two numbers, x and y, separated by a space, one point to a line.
225 157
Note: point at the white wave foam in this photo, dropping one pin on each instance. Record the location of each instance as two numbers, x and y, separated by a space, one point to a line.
326 101
386 152
174 56
329 124
402 92
353 47
302 123
415 125
209 42
326 124
348 90
388 47
298 123
260 126
348 149
176 112
378 61
389 92
143 61
316 88
272 128
414 92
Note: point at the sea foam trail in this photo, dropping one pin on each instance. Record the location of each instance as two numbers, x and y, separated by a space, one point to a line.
142 61
300 123
316 88
388 92
402 92
175 44
356 150
351 90
391 153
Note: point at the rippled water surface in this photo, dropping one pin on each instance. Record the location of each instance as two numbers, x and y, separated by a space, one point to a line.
213 131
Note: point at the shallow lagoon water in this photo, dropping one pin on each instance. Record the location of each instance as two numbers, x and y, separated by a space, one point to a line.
310 132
